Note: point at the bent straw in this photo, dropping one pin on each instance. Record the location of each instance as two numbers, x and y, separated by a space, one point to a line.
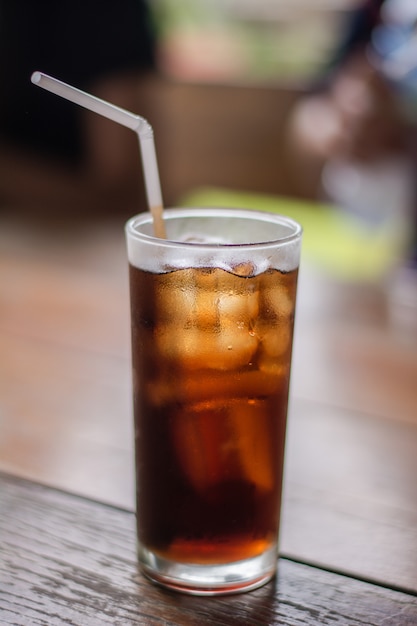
130 120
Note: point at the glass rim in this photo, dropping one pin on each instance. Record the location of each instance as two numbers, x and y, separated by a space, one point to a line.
132 224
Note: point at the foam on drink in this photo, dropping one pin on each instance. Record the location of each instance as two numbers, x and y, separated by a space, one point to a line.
209 243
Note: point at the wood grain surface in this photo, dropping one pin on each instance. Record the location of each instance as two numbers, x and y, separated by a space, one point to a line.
68 560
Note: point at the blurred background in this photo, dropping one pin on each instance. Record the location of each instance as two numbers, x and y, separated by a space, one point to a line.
258 42
294 100
215 79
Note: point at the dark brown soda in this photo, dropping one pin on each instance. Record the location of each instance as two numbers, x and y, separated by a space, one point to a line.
211 357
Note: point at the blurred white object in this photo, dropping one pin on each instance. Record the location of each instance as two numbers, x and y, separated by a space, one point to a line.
378 192
381 195
399 11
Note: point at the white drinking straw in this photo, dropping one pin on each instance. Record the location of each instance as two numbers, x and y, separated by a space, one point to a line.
135 122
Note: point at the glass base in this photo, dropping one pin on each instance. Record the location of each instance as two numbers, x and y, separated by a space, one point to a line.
209 580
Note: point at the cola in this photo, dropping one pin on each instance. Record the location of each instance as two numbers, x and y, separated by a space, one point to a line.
211 354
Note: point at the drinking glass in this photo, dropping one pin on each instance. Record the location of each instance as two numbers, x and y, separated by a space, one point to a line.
212 314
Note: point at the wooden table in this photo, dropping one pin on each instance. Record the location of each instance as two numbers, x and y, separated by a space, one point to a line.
68 560
349 527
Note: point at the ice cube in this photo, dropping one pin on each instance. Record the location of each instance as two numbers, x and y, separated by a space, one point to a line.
230 441
275 339
174 302
189 297
205 446
277 300
244 269
239 307
275 370
253 443
193 348
235 347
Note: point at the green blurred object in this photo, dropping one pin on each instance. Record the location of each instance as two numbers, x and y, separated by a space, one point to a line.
274 41
341 244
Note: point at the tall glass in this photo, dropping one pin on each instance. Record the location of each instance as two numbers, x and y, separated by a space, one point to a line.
212 312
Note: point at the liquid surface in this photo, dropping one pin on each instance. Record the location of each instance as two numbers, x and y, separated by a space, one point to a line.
211 357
